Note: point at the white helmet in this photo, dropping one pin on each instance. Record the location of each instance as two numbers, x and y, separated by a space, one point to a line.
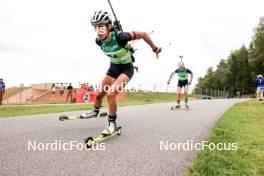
101 17
260 76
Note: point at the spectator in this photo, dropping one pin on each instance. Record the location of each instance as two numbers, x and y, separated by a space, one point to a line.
260 87
70 92
238 94
2 90
88 87
84 86
62 88
53 89
91 88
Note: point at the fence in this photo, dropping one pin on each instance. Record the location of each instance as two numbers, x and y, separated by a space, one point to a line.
211 93
222 93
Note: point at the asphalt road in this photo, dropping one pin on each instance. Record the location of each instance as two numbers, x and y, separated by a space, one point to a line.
140 150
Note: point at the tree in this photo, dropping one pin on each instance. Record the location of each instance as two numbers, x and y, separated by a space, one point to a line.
239 71
256 50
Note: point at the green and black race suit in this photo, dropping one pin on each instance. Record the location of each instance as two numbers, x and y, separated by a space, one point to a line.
118 50
183 76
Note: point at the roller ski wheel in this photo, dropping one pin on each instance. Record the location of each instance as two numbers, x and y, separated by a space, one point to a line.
63 117
119 132
90 141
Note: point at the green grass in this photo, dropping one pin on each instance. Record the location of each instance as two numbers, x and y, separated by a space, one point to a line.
242 124
153 97
138 98
20 110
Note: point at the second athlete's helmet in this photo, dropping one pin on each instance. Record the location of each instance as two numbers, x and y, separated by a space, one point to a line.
101 17
181 64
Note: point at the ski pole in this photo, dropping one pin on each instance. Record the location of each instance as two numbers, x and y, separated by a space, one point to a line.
166 46
119 26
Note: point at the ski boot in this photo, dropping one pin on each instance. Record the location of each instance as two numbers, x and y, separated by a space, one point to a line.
177 106
88 115
109 129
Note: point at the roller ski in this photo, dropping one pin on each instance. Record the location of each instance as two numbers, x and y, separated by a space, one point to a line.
179 107
89 115
110 131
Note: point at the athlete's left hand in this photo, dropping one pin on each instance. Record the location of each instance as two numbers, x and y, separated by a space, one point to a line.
190 82
157 51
